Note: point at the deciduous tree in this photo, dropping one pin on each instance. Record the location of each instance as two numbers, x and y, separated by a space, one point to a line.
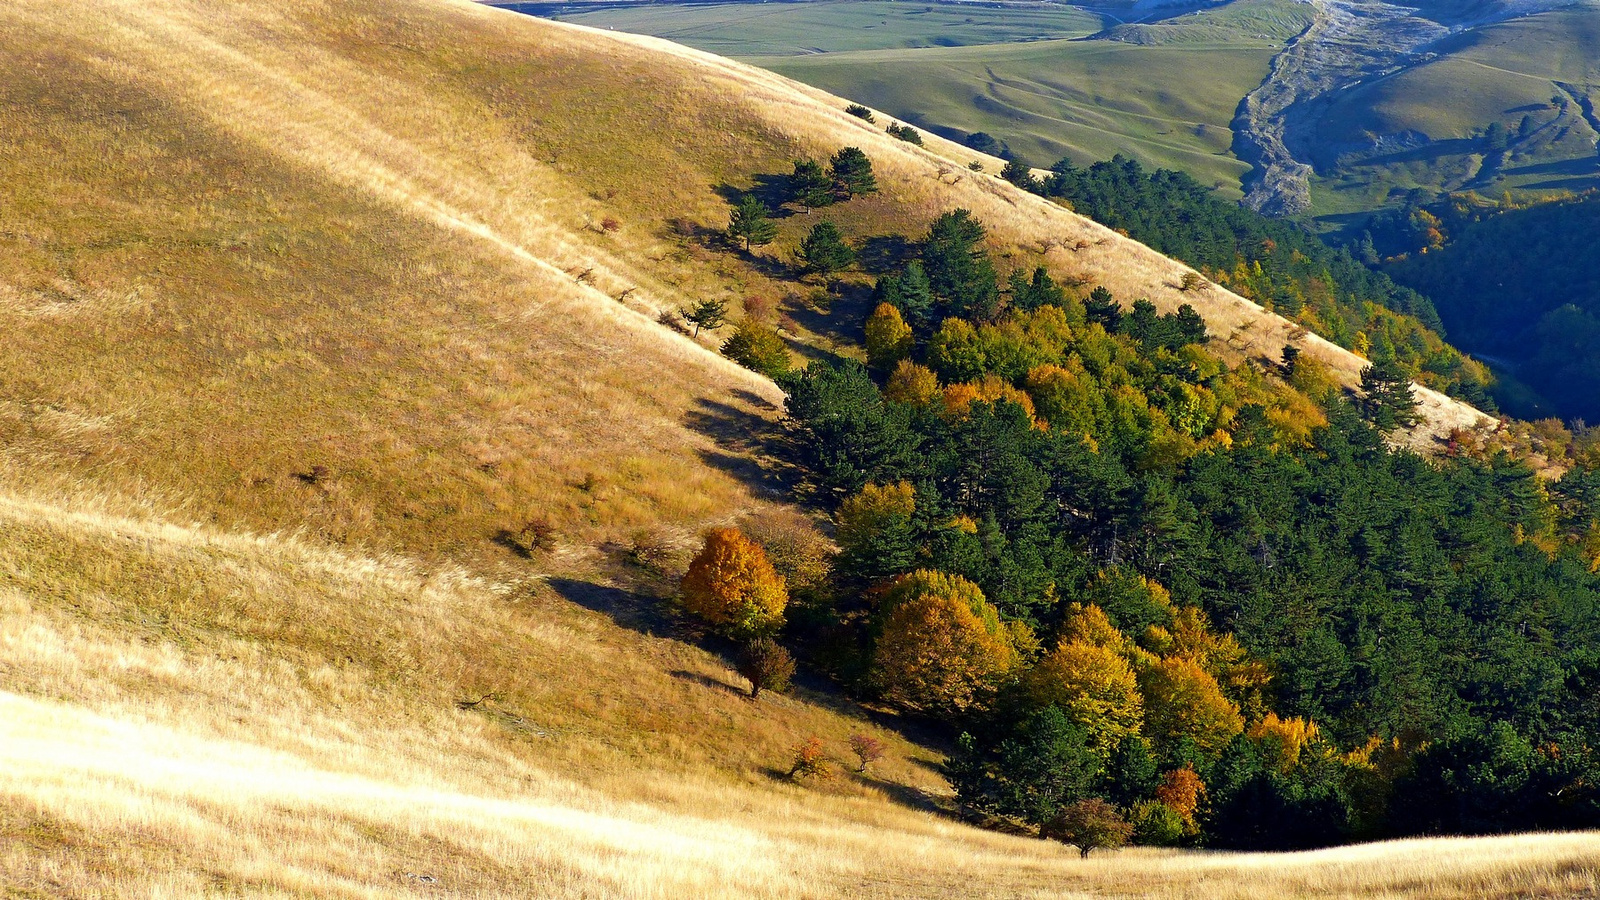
942 645
731 585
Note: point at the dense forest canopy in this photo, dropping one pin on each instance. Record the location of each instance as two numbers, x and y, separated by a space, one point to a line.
1164 599
1270 261
1519 284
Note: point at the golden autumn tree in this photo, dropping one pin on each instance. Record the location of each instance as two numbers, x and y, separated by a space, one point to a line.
875 531
958 398
1095 688
912 383
889 338
1183 700
942 645
731 585
1282 740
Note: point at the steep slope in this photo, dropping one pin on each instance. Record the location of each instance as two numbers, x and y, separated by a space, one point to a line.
304 306
356 267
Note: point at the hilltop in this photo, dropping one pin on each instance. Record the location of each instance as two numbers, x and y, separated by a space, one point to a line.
344 454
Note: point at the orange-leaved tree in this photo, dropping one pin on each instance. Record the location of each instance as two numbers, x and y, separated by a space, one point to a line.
1181 790
731 585
941 646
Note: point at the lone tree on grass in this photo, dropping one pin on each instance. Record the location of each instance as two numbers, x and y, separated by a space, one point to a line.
758 347
1089 824
750 223
867 749
824 251
766 665
852 173
809 186
731 585
707 314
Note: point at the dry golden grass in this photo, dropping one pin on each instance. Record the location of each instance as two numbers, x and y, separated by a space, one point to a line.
364 240
317 297
187 712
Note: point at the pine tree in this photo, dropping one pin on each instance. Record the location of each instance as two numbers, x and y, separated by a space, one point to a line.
852 173
1101 307
809 185
1387 400
750 223
824 251
707 314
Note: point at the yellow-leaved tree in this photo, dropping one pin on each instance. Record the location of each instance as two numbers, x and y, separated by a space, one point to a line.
942 645
731 585
912 383
889 338
1282 740
1094 686
1183 701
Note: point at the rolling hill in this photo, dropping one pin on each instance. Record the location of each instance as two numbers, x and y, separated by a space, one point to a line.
312 310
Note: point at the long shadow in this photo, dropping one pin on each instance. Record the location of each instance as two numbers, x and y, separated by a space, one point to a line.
632 610
749 446
772 190
844 317
881 254
704 681
903 794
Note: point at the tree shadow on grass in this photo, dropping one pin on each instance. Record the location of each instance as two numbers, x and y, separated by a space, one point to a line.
630 609
772 190
707 681
749 447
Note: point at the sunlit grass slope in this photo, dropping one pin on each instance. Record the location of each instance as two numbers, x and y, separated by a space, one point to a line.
303 304
192 713
389 271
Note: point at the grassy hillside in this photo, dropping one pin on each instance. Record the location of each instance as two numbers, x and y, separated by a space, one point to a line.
307 306
1424 126
747 29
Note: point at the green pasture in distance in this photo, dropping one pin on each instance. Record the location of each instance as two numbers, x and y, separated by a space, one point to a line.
826 26
1168 105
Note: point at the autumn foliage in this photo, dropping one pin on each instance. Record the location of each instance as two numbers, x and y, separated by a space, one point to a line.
942 645
1096 689
1183 701
889 339
731 585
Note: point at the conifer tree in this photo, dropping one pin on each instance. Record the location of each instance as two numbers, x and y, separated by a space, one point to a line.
750 223
824 251
809 186
708 314
852 173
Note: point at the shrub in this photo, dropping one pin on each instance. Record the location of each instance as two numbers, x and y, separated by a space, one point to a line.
731 585
905 133
1089 824
1156 824
860 112
867 749
811 761
1191 282
766 665
756 346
